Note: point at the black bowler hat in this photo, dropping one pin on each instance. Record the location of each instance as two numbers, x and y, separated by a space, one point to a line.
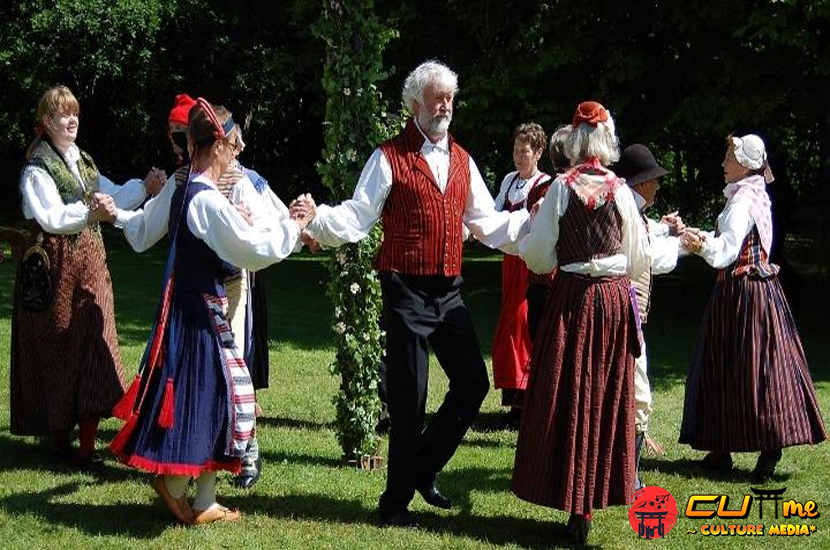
637 165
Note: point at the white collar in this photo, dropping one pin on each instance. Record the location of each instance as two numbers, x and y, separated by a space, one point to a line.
202 178
639 200
73 154
442 144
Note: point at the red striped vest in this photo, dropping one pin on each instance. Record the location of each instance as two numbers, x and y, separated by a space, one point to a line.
422 232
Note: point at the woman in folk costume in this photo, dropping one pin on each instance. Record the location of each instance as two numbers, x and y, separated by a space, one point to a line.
575 450
247 303
246 295
65 361
511 342
190 412
748 387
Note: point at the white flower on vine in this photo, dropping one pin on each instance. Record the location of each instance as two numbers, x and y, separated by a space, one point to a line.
354 288
347 92
340 327
341 257
359 92
351 155
338 311
344 274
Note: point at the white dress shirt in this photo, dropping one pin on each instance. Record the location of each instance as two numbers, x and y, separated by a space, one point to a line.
211 218
42 201
352 220
539 248
664 248
144 228
734 224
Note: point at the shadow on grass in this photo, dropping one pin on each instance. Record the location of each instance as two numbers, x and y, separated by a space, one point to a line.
19 454
692 469
132 520
493 530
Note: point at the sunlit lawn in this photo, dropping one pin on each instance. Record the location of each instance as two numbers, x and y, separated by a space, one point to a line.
307 498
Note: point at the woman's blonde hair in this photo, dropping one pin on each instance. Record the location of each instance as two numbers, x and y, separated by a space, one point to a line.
57 99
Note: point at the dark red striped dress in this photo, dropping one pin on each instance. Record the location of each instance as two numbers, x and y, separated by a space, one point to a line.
749 387
575 450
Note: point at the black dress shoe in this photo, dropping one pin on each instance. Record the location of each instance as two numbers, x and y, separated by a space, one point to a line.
433 497
398 518
765 467
93 462
718 461
578 528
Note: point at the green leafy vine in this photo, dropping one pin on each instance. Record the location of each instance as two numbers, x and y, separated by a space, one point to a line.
356 122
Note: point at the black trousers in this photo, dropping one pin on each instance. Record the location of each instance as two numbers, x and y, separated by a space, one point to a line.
417 312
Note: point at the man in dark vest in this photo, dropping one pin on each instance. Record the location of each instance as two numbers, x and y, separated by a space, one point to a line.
424 188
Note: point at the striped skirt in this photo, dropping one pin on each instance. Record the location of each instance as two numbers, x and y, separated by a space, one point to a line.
65 361
575 450
748 387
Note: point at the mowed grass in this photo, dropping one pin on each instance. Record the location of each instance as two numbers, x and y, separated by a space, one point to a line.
307 497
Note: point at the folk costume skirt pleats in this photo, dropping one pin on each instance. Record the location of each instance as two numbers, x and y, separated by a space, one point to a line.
575 450
65 361
749 388
511 343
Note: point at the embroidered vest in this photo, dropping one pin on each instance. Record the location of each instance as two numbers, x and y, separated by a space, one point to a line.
752 260
47 158
422 227
588 234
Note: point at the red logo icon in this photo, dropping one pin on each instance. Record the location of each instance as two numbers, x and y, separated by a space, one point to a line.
653 514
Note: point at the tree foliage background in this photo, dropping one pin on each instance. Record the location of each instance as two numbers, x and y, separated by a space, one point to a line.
677 76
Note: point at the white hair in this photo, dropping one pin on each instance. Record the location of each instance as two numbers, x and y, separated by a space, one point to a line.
428 72
600 141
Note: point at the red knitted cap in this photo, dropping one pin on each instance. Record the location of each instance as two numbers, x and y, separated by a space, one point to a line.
589 112
181 108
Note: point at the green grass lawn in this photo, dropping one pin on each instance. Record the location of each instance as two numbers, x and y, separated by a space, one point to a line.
308 499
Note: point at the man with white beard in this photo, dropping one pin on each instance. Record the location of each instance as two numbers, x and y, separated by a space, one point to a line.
424 188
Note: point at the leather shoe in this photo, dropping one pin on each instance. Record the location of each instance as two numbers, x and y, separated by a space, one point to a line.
433 497
765 467
578 528
398 518
718 461
179 507
214 514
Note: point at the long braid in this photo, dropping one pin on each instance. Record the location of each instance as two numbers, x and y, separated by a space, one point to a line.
219 131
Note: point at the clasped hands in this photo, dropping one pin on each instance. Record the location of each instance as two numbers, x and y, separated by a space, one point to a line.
691 238
102 208
155 180
302 210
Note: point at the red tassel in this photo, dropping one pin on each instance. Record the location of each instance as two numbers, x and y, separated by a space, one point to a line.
119 442
165 419
125 405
